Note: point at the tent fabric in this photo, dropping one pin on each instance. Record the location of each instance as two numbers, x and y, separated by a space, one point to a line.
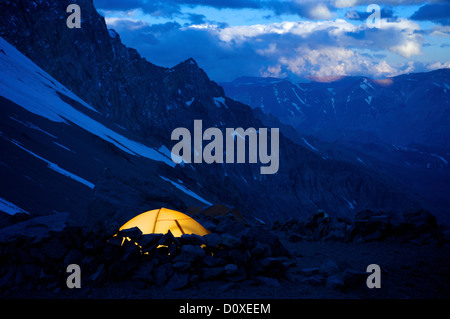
160 221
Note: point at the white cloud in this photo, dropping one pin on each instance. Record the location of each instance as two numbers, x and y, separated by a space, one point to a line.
320 11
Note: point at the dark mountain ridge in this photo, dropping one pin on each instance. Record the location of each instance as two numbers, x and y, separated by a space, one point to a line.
150 102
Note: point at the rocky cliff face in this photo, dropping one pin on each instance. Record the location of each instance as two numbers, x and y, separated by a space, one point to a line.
152 101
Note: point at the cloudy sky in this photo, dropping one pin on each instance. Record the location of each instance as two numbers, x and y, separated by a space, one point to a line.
298 39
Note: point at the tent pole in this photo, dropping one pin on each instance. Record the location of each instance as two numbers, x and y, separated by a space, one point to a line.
179 226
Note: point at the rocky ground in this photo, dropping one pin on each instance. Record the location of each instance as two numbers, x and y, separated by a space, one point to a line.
315 257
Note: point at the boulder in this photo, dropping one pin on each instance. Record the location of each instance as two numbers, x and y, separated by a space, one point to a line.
144 272
162 273
191 239
133 233
309 271
335 282
211 261
149 240
422 221
74 256
54 249
330 267
212 240
178 281
231 269
353 278
315 280
229 241
208 273
190 253
267 281
182 266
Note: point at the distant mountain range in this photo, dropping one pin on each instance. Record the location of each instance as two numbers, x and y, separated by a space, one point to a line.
399 126
86 128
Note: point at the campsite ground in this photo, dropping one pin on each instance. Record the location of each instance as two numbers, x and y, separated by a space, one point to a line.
408 271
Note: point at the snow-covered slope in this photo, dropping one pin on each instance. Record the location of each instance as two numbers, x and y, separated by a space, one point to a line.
27 85
55 147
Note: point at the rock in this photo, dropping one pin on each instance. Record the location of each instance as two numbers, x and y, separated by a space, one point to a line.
309 271
133 233
295 238
422 220
182 266
267 281
211 261
190 253
74 256
335 282
231 269
240 275
238 257
229 241
315 280
149 240
353 278
212 272
178 281
54 249
111 252
446 236
115 241
167 239
191 239
120 269
261 250
251 236
330 267
162 273
274 267
144 272
212 240
98 274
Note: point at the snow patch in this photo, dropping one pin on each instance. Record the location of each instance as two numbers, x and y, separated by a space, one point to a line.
32 126
53 166
64 147
10 208
351 205
441 158
186 190
188 103
306 142
220 101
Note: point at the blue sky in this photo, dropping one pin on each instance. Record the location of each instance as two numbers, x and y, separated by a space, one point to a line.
298 39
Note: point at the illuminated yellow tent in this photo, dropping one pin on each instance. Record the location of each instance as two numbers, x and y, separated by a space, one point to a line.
160 221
